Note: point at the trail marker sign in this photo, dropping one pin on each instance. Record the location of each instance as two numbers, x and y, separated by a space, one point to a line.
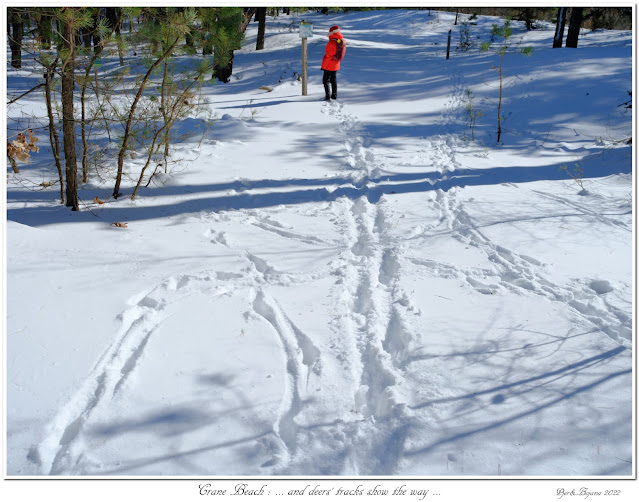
306 31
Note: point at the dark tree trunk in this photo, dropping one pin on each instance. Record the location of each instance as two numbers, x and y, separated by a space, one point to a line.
86 35
114 17
190 41
68 121
260 16
561 24
223 73
14 29
596 18
528 18
576 16
97 41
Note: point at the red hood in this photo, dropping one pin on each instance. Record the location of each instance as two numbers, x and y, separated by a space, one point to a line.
336 35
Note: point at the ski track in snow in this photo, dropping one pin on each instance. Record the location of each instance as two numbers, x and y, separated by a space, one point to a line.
61 452
286 428
302 358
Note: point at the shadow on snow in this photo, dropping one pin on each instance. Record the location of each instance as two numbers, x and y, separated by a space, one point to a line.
302 191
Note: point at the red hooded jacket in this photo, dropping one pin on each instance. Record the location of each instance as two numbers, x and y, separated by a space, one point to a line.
329 62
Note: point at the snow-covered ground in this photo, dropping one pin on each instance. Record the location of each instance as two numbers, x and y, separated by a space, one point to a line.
342 289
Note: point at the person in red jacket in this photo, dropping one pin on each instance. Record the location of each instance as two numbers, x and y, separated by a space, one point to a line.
335 50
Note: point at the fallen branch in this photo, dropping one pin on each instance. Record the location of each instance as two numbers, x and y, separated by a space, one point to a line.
24 94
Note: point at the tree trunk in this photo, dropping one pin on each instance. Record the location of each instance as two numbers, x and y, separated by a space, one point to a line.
114 17
223 73
260 16
528 18
68 121
14 29
561 24
86 35
596 18
576 15
53 133
501 65
14 164
246 19
78 38
95 35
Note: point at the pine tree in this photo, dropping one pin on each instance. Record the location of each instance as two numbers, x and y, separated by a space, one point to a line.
44 26
227 33
504 32
164 28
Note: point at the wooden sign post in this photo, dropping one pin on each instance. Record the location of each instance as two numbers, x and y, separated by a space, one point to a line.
306 31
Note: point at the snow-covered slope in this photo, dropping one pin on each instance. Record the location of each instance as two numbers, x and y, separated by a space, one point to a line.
347 288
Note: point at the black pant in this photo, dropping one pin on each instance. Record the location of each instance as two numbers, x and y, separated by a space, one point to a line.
330 76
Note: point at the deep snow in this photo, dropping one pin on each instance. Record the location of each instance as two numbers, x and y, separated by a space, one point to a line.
342 289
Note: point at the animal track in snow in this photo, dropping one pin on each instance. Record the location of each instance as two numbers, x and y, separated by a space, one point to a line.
521 274
375 321
274 227
216 237
361 161
374 262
